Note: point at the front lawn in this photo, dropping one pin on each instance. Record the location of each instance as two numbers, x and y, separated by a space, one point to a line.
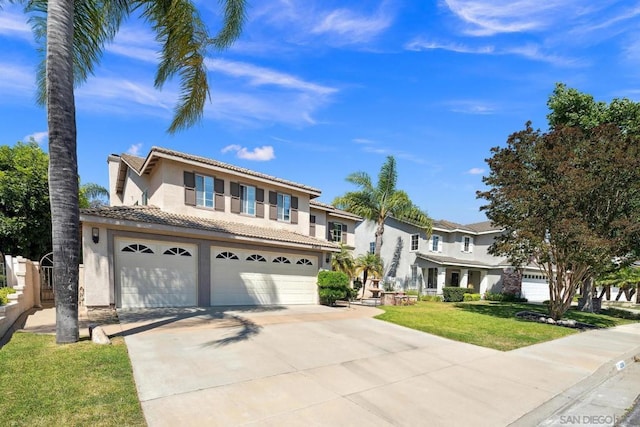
488 324
80 384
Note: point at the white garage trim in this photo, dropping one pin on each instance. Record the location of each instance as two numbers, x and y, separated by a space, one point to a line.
151 273
260 277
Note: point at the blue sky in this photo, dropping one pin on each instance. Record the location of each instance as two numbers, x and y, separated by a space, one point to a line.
315 90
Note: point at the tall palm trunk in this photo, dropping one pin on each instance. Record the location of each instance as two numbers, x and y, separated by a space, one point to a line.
63 167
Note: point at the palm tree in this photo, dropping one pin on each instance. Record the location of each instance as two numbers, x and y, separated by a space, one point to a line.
382 201
74 33
368 263
93 195
343 261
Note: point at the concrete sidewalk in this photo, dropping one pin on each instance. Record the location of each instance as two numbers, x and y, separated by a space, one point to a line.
321 366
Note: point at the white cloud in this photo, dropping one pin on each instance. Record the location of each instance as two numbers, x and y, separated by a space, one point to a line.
347 27
475 171
260 76
260 154
134 149
419 45
363 141
471 107
39 137
16 79
489 17
14 24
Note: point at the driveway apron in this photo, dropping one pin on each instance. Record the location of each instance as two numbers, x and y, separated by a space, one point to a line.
314 365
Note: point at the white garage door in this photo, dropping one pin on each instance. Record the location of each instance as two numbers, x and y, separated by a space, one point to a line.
535 288
257 277
156 274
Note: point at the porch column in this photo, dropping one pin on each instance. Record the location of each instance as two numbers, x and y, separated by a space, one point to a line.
442 275
464 279
483 282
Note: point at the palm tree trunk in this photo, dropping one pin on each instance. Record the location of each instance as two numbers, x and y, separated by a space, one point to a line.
63 167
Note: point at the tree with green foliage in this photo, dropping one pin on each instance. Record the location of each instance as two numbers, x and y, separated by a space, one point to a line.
626 279
366 264
379 202
569 201
343 261
93 195
25 217
73 35
333 286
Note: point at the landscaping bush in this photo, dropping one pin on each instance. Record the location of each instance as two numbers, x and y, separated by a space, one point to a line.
471 297
431 298
333 286
454 293
492 296
4 292
412 292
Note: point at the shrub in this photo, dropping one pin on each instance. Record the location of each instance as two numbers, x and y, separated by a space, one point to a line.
491 296
454 293
4 292
471 297
333 286
431 298
411 292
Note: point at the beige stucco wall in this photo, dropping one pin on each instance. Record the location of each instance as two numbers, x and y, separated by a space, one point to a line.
97 288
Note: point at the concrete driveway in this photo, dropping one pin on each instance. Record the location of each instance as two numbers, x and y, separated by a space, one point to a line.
314 365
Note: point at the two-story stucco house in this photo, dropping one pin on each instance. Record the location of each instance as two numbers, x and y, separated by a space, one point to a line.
185 230
453 255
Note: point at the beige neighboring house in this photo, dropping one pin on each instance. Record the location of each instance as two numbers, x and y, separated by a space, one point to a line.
185 230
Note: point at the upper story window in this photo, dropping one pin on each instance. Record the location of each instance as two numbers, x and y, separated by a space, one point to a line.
204 191
436 243
337 232
248 199
284 207
144 198
467 244
415 239
372 247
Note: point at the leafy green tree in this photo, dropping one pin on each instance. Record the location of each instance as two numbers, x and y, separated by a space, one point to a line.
368 264
73 35
379 202
569 201
25 218
343 261
626 279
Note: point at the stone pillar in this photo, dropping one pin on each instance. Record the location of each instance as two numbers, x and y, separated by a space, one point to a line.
442 276
464 277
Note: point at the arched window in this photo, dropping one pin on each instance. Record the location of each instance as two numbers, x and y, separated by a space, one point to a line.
256 257
177 251
226 255
137 248
281 260
304 261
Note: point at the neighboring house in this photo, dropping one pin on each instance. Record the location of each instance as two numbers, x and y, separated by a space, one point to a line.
184 230
453 255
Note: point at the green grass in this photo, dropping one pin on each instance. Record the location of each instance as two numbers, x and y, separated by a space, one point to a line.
487 324
43 384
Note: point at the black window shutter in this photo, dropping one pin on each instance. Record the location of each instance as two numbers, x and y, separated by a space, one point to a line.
294 202
235 189
312 219
330 231
344 233
260 202
189 188
218 186
273 205
260 195
273 198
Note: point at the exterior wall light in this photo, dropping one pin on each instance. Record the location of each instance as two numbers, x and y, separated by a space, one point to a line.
95 234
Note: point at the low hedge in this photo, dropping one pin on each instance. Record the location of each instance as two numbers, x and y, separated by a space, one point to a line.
431 298
454 293
4 292
333 286
471 297
491 296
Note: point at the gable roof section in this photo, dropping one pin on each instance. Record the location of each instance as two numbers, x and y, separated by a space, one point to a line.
333 210
475 228
445 260
154 215
143 166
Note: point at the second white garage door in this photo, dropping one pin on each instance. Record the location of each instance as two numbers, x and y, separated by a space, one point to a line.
258 277
535 288
156 274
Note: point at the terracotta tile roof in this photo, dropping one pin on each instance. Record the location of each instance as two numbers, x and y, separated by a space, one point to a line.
153 215
134 162
333 209
478 227
445 260
148 163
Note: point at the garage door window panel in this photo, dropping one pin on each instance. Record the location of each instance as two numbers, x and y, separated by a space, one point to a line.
304 261
227 255
137 248
256 257
281 260
177 251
